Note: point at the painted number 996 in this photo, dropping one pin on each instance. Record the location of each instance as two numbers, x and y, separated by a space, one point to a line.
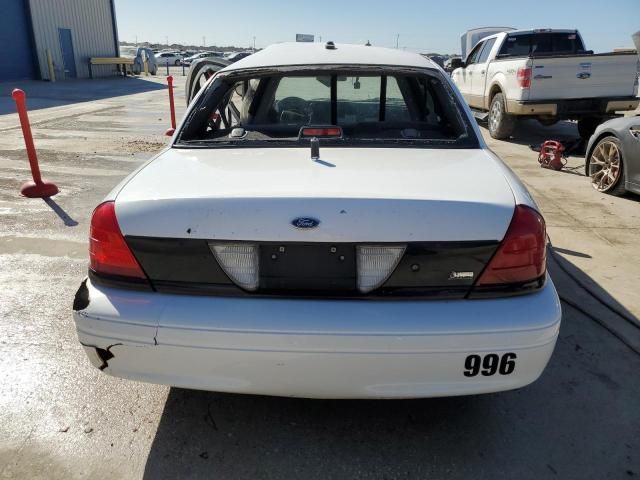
490 364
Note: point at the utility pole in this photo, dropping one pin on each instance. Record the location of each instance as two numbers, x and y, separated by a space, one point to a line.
397 39
166 39
204 41
254 43
136 40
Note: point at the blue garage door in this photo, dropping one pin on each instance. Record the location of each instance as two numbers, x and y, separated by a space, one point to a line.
16 61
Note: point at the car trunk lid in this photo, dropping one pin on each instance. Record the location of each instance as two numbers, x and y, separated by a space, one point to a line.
356 195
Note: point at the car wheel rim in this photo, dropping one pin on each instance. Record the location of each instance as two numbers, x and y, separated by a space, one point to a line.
494 117
604 166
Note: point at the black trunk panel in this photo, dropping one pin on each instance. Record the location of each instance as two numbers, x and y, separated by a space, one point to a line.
317 269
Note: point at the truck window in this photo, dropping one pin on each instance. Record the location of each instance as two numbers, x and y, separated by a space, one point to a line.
516 45
475 53
486 50
541 43
556 43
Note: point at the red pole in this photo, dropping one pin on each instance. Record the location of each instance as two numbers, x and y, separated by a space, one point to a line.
172 108
38 188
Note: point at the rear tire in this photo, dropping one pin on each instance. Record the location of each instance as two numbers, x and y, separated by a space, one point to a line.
587 126
501 124
606 168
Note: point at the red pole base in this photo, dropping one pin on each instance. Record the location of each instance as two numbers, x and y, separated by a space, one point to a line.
170 132
39 190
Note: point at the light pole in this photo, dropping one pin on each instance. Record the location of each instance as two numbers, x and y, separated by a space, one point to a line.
397 39
254 43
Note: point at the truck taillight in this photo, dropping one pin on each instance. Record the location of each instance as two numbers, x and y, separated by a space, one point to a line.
524 77
108 251
521 256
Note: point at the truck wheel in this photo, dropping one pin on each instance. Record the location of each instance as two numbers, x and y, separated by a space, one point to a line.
605 167
501 124
587 126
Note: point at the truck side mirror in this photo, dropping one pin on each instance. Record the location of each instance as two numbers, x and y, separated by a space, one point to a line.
457 63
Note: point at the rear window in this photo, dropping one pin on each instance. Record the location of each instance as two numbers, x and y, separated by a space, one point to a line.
410 109
541 43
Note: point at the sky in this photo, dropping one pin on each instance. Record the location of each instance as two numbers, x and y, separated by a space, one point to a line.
423 26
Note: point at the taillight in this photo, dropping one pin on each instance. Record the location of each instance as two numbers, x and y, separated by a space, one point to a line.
524 77
108 251
521 256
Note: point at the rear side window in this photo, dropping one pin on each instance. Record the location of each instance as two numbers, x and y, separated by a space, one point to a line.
486 50
271 109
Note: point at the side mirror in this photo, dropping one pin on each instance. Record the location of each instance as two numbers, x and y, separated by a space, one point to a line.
457 63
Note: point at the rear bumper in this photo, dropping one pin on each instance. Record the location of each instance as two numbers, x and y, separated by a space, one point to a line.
573 107
317 348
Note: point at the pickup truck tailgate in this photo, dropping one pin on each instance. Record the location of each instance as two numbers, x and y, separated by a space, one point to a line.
583 76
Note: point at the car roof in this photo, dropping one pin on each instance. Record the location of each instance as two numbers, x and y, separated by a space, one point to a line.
301 53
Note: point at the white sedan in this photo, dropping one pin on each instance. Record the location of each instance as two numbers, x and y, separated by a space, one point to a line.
327 222
172 58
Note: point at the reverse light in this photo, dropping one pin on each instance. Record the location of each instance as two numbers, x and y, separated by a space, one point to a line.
375 263
524 77
240 261
108 251
521 256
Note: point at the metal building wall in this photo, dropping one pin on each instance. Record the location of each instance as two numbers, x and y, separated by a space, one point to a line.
92 30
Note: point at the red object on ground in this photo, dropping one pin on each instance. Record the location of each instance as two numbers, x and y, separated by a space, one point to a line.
38 188
172 107
551 155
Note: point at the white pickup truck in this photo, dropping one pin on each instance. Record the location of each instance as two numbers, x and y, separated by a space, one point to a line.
547 75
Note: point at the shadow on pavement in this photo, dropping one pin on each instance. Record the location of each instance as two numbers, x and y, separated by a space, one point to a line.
554 428
45 94
64 216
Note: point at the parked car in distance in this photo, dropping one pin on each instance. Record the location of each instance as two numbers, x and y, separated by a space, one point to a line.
327 222
547 75
173 58
189 60
235 56
613 156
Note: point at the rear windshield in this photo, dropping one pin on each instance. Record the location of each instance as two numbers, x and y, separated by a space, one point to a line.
541 43
411 109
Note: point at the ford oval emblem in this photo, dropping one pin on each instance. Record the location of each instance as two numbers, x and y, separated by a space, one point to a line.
305 222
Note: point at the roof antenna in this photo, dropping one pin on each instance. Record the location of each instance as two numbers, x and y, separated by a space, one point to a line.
315 149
